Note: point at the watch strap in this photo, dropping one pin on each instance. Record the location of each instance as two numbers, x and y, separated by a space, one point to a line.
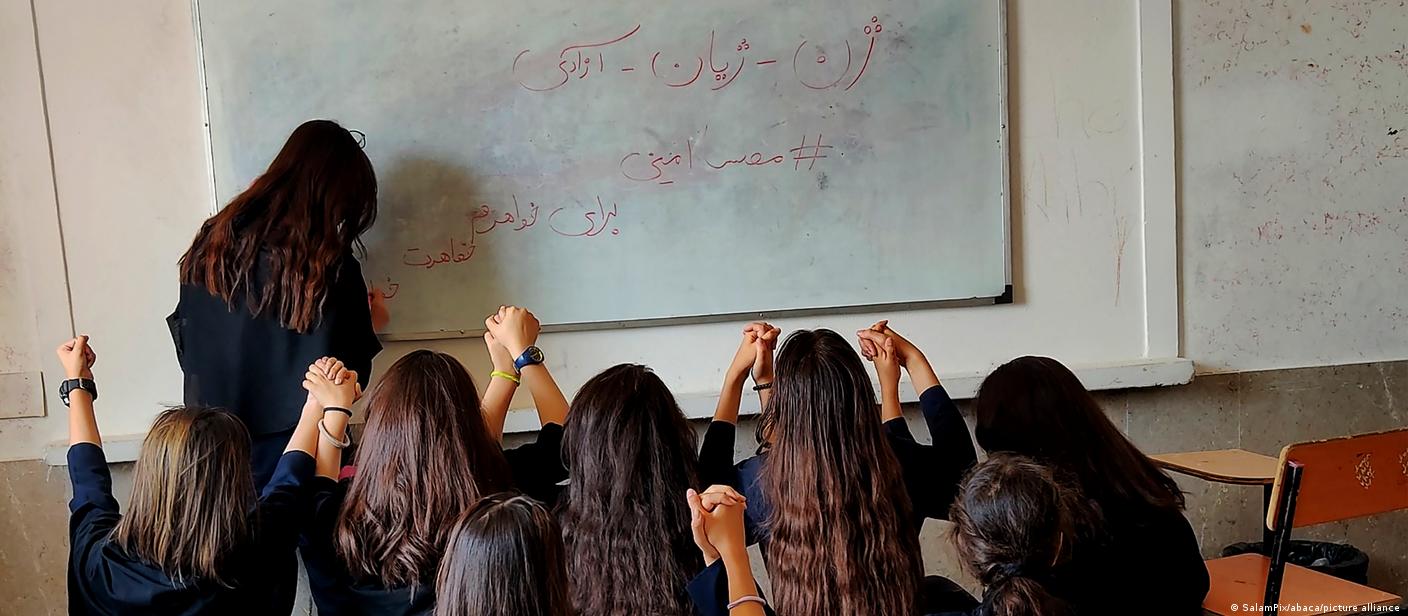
69 385
531 356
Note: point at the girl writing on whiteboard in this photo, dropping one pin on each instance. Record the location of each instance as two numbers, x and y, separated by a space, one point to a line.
429 451
1036 407
847 476
631 453
195 537
270 284
504 557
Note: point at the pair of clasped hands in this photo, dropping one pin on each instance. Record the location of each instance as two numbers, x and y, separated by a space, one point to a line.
508 332
716 515
879 344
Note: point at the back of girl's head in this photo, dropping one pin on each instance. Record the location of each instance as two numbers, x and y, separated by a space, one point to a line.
632 454
504 558
842 540
1014 521
425 456
1034 406
192 495
310 207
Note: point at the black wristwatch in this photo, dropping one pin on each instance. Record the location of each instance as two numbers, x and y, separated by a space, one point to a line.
67 387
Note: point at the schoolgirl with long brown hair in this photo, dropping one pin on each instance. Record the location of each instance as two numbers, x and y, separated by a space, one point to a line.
631 453
271 283
428 452
504 557
839 487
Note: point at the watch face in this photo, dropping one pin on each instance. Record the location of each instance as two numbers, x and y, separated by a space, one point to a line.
535 353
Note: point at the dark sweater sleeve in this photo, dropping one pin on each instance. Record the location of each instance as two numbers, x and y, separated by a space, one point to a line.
953 448
352 339
324 567
537 467
716 456
93 512
709 591
284 504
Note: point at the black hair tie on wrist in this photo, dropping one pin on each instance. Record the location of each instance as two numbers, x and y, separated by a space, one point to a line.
338 409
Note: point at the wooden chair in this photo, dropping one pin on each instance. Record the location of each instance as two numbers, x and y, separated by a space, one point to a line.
1229 466
1317 482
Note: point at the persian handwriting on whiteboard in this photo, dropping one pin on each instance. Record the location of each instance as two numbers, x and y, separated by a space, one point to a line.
652 167
816 70
589 221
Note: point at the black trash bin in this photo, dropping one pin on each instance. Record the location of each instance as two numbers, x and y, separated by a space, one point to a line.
1341 560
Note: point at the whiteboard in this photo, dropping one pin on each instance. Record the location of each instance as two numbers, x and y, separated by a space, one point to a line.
632 162
1294 142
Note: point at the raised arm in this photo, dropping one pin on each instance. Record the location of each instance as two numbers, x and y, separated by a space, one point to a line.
880 350
754 356
332 390
517 329
716 520
921 373
731 394
503 382
952 452
78 359
765 344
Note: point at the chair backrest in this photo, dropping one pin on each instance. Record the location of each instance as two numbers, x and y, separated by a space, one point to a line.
1347 477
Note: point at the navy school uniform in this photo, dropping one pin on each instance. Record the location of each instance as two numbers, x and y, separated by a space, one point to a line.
931 472
253 366
536 469
103 579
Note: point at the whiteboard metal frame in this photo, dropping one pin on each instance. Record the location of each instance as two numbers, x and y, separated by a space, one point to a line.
1158 179
205 106
759 315
1005 196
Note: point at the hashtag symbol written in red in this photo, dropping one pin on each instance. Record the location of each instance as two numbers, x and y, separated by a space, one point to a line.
808 153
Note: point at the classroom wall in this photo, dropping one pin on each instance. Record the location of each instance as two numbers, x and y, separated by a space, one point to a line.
128 182
127 187
133 183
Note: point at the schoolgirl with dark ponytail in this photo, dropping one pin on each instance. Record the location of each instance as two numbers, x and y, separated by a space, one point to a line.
1016 522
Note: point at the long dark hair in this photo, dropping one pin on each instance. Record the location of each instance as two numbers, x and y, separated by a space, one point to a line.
308 209
1036 407
192 496
841 537
1015 520
425 457
631 453
504 558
